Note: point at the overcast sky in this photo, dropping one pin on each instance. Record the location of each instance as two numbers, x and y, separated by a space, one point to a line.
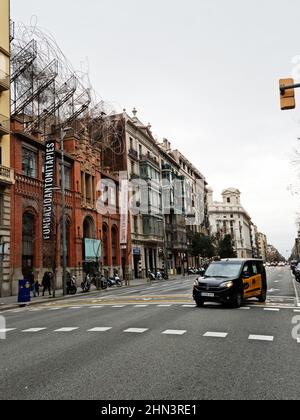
205 74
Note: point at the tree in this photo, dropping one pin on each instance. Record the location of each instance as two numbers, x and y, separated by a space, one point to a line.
203 246
225 248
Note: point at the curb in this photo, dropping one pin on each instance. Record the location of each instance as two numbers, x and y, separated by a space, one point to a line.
65 298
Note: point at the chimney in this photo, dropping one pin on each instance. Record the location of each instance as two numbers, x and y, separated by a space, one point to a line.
167 145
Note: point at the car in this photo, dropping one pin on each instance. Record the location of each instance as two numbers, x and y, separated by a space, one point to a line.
293 265
231 281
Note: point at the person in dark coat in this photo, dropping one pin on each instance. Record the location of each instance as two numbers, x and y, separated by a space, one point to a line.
37 288
46 283
32 282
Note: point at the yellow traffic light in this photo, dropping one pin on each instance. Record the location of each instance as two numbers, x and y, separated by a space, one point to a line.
287 96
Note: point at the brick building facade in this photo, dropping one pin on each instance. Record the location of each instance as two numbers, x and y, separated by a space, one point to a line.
84 223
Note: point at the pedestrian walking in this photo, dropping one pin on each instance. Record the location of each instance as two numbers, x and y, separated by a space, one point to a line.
32 282
46 283
37 288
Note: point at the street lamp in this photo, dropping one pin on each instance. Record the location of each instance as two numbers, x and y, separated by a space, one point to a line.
63 133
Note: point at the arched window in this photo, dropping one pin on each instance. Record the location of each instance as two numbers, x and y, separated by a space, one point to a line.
114 245
88 228
28 242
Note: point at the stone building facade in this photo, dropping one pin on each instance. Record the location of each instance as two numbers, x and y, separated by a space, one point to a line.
6 173
229 217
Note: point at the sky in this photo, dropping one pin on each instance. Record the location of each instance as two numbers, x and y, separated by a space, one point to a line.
205 74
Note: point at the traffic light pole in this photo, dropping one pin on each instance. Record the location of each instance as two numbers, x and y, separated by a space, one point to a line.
284 88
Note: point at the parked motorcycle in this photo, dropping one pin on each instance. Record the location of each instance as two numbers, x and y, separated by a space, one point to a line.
151 276
86 284
71 286
114 282
97 279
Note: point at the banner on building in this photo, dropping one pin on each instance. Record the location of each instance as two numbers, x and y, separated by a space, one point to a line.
49 184
124 190
92 249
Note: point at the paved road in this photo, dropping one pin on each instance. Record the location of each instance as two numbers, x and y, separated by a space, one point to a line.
152 343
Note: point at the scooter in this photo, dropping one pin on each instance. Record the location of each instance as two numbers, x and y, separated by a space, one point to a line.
86 284
71 286
151 276
114 281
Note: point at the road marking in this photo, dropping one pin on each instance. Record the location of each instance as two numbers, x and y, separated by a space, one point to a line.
215 334
261 337
5 330
66 329
141 306
118 306
96 307
272 309
164 306
34 330
54 309
188 306
16 311
100 329
75 307
244 308
136 330
174 332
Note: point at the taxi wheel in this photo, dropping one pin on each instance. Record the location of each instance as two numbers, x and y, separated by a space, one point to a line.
237 301
263 297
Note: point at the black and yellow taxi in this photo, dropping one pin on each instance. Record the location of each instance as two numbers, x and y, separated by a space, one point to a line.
231 281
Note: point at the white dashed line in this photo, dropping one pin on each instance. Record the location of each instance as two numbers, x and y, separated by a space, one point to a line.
141 306
66 329
261 337
34 330
174 332
136 330
215 335
75 307
96 307
164 306
118 306
100 329
272 309
5 330
54 309
188 306
244 308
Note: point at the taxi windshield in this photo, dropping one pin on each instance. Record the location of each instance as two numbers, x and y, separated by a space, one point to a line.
226 270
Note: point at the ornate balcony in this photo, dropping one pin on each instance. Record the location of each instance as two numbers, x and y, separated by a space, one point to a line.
6 175
133 154
150 159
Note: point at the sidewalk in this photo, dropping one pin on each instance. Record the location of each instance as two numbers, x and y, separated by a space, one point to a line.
12 301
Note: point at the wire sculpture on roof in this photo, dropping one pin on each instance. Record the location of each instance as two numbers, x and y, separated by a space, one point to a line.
47 92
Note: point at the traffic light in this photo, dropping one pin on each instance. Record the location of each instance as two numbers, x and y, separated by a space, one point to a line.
287 96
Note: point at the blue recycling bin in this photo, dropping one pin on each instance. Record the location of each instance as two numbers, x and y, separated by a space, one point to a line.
24 292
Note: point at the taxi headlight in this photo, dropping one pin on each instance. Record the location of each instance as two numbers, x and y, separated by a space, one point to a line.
227 284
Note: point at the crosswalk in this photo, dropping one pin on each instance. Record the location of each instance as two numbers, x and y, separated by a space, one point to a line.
215 335
139 306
